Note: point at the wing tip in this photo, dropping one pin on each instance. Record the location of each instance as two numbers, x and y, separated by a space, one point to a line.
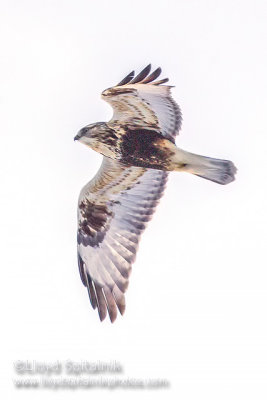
127 79
161 81
112 318
105 302
122 309
143 77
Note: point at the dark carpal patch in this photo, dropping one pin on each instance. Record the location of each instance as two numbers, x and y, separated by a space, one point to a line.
140 147
93 223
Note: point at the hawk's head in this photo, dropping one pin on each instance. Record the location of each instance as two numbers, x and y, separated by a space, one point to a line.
99 137
90 132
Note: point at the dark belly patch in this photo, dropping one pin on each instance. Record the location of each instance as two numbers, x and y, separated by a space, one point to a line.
144 148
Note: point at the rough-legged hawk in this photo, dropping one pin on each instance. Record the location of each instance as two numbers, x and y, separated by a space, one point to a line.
138 147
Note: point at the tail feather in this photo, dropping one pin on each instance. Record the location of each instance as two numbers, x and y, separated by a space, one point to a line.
213 169
219 171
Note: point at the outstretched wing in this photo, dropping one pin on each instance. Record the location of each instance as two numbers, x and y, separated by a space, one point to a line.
143 101
113 211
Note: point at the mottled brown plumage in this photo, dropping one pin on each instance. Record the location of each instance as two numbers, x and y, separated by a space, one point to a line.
138 147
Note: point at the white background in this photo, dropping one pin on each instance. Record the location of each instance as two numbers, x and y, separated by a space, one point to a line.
196 304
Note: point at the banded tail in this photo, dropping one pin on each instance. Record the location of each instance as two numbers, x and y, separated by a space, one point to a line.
213 169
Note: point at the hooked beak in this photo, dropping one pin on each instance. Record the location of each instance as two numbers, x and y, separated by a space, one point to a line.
81 133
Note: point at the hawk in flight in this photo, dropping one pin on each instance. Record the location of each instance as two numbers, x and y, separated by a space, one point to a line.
138 148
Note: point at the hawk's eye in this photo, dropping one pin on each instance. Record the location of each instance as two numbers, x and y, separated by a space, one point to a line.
83 132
